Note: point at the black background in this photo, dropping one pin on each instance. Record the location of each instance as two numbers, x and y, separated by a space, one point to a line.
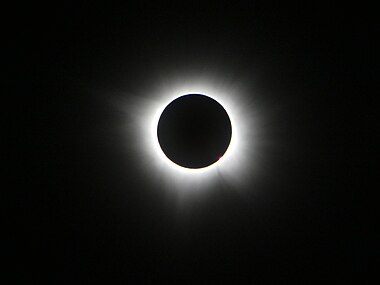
81 209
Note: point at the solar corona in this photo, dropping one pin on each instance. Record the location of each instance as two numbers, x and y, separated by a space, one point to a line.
193 133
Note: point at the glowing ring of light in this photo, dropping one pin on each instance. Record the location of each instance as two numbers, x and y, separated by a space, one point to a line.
236 163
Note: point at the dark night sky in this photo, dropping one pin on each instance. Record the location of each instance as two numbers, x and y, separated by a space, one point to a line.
82 210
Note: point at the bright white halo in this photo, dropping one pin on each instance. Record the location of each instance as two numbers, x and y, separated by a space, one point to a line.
234 167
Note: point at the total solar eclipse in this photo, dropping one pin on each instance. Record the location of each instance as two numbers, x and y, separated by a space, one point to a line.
194 131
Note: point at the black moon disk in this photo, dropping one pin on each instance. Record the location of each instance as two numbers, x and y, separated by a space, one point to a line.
194 131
